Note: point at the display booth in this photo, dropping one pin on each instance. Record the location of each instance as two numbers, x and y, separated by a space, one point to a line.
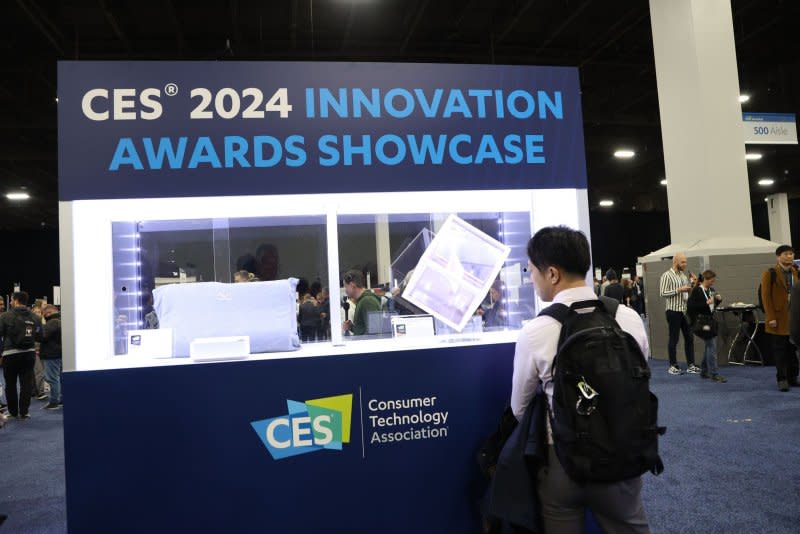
197 403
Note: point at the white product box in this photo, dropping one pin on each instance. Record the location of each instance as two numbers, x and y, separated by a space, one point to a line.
412 326
156 343
219 348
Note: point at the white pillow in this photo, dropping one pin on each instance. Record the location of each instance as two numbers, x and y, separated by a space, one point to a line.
265 311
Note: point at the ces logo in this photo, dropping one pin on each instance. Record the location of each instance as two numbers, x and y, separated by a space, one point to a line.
309 426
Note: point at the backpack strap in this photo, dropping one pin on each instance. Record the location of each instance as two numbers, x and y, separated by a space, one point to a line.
560 312
557 311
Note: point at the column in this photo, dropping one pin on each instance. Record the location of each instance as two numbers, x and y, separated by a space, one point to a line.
778 210
383 250
701 119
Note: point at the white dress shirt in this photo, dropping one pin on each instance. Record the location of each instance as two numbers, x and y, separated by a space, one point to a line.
538 342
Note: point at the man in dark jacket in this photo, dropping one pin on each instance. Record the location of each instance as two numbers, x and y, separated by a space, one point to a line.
614 289
50 354
17 328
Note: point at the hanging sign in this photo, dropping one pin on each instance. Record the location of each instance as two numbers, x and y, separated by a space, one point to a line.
770 128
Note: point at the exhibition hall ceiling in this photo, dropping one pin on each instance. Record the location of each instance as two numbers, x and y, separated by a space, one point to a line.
610 42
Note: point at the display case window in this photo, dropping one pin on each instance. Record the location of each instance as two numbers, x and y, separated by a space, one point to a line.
152 254
124 261
386 249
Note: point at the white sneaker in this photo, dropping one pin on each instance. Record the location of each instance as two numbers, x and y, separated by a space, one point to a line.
674 370
693 369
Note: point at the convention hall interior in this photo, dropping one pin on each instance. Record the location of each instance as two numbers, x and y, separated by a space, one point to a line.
729 454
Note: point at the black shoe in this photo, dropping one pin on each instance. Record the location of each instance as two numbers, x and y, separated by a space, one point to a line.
24 416
52 406
705 375
783 385
794 383
719 378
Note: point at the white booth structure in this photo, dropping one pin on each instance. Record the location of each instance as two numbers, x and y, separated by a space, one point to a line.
175 176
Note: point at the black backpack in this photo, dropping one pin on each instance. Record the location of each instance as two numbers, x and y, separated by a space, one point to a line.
23 331
772 275
604 417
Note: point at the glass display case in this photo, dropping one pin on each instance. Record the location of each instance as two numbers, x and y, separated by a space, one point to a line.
208 268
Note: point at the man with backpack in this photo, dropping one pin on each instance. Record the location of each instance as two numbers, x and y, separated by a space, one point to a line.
564 348
776 286
18 328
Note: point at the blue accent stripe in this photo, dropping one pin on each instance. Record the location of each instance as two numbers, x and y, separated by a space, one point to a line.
769 117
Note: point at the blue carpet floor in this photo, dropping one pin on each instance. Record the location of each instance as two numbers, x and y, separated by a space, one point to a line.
32 473
731 455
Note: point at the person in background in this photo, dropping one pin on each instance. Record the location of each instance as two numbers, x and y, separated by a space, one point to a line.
637 294
703 300
50 354
614 289
495 315
777 284
604 284
40 389
626 292
241 277
268 263
18 362
308 318
324 306
365 300
674 287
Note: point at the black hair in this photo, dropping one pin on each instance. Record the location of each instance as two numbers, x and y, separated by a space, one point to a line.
316 287
246 262
354 276
562 247
21 297
783 248
302 287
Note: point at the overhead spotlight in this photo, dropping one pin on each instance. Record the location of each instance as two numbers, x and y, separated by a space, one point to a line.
753 156
17 196
56 100
624 154
744 98
766 181
663 182
606 203
766 199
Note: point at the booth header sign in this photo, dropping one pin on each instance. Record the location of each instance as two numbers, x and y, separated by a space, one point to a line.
770 128
172 129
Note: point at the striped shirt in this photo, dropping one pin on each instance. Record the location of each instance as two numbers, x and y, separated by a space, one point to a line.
671 280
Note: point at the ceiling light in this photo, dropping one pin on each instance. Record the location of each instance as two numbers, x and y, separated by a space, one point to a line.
663 182
18 196
766 181
744 98
624 154
56 100
766 199
753 156
606 203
